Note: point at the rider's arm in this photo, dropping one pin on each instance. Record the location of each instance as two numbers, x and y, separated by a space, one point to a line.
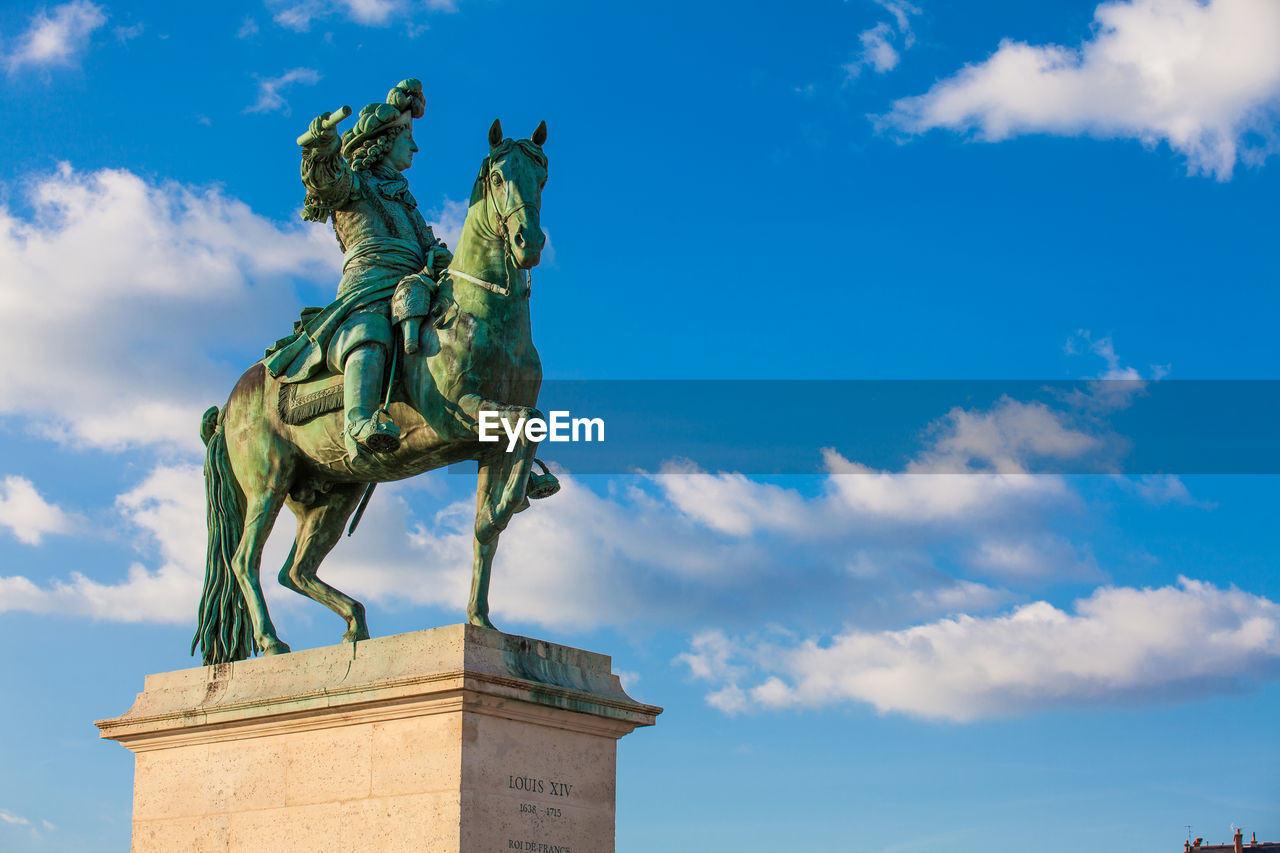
328 179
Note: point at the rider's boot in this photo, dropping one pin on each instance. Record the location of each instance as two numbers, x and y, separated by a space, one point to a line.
366 428
542 485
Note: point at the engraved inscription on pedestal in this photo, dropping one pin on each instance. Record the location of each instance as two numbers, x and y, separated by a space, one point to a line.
546 821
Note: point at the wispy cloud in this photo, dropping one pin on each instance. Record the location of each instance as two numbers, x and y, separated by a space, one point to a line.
1163 489
1083 341
879 44
127 34
270 88
1202 77
57 36
299 15
12 819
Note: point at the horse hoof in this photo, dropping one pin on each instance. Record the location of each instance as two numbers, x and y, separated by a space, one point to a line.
481 621
275 647
355 636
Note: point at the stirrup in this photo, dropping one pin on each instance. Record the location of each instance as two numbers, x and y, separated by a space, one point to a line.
542 485
375 434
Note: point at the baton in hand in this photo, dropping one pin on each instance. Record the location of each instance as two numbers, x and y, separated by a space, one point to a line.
335 118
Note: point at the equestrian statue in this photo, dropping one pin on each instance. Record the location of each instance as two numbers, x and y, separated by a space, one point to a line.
386 382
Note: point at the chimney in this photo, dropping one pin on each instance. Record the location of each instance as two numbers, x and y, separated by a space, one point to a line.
1239 840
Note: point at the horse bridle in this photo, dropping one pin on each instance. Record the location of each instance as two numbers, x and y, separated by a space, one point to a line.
503 234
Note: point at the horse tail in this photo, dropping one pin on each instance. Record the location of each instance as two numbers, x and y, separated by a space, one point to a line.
224 631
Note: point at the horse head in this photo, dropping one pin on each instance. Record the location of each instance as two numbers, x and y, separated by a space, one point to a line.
510 186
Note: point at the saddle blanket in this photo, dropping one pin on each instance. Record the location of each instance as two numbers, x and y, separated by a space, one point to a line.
301 401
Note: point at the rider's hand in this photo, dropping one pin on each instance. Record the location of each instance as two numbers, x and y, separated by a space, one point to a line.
440 260
322 138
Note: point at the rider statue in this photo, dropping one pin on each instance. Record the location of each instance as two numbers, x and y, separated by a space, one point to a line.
391 262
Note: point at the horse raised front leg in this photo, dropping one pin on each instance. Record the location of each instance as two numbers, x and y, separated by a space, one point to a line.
319 529
499 493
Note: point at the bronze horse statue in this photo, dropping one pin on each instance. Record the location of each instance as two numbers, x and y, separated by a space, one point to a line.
479 356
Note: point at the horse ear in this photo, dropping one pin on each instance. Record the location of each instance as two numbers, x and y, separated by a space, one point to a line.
495 133
540 135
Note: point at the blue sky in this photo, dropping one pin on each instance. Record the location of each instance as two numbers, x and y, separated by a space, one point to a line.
953 650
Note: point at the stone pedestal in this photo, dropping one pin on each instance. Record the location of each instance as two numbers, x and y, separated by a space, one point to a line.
454 739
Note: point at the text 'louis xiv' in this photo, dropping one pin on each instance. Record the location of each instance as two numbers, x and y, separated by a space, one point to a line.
539 786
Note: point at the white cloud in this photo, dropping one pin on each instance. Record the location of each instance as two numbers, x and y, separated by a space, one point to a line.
299 15
446 221
269 88
57 36
962 597
248 28
371 12
28 515
149 278
1200 76
1006 439
928 498
732 503
1119 645
12 819
579 559
1162 489
296 16
168 509
1104 348
709 657
946 483
1116 386
127 34
1039 556
731 699
878 50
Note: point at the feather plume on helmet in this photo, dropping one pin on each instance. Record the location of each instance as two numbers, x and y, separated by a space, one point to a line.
365 143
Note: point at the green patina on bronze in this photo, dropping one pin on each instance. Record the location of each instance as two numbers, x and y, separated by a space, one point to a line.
384 383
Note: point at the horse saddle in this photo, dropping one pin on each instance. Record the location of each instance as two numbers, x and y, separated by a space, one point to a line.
300 402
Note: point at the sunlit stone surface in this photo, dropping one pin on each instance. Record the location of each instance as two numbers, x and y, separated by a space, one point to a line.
454 739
